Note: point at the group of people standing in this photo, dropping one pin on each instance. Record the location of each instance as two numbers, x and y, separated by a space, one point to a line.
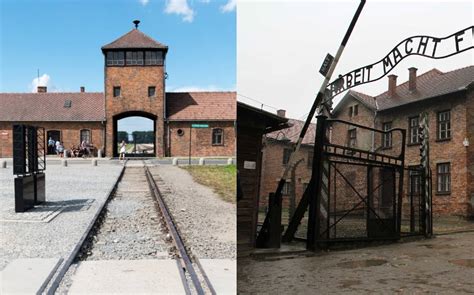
56 146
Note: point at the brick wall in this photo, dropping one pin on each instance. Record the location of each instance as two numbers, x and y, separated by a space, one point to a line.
461 159
273 167
451 151
470 148
201 139
134 82
70 134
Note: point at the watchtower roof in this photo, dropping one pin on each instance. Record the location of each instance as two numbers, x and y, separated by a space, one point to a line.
135 39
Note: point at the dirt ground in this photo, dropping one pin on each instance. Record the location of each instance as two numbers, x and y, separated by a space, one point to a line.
442 265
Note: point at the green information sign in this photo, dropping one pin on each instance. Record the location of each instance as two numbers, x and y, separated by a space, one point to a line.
200 125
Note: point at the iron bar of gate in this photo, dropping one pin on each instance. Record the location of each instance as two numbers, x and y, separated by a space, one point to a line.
314 220
359 195
316 104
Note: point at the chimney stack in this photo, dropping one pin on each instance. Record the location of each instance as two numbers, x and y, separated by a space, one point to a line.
281 113
83 89
42 89
392 84
412 79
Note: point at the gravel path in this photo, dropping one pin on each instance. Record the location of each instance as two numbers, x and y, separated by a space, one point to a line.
206 223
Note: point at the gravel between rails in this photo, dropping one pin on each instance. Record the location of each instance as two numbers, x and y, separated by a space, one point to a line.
206 223
131 227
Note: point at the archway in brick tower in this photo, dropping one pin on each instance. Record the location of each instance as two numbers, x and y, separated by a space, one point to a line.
138 130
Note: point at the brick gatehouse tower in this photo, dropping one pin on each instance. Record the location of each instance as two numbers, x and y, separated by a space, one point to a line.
134 74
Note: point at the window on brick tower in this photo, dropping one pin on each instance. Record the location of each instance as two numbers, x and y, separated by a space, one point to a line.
444 125
85 135
116 91
134 58
217 136
414 129
387 137
350 111
444 177
153 58
356 110
151 91
115 58
286 155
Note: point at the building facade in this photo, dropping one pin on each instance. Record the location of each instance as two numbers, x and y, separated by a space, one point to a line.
276 150
448 100
199 124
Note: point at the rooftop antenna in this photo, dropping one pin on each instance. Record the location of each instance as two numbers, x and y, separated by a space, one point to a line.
136 22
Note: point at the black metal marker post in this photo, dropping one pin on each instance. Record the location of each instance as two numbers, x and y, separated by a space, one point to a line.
317 103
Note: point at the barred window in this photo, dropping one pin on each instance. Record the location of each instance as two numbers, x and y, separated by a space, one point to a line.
444 177
414 130
444 125
387 137
286 155
217 136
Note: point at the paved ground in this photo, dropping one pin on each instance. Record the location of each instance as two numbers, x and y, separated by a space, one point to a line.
74 195
149 276
443 265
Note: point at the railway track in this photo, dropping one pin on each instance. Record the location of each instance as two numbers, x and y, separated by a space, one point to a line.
138 186
185 257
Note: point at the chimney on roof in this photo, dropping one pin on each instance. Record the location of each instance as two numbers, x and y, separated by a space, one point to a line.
42 89
281 113
412 79
83 89
392 84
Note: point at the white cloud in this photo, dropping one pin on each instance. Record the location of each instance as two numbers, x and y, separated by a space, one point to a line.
229 6
144 2
180 7
43 80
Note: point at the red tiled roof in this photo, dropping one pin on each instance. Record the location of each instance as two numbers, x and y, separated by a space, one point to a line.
430 84
195 106
365 99
293 132
135 39
28 107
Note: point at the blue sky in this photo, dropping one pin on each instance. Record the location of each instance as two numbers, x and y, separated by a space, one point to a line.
63 38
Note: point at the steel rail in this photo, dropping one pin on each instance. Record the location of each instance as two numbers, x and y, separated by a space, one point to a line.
185 258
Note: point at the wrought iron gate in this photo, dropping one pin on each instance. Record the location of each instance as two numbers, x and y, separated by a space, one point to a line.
358 187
